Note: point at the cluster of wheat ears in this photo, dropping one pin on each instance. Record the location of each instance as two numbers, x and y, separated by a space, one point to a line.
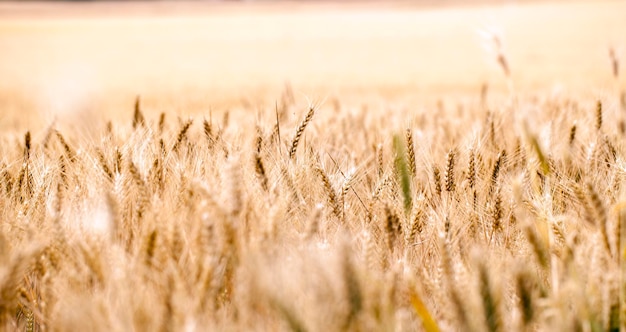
505 217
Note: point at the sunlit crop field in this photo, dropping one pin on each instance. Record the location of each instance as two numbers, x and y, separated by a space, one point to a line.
312 167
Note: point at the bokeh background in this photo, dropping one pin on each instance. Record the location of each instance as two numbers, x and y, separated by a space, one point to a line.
59 58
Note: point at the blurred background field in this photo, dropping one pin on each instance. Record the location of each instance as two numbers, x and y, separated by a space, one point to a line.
61 58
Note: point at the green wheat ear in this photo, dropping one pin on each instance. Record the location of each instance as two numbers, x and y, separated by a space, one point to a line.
402 172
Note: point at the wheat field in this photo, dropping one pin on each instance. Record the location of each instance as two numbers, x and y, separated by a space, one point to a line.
316 197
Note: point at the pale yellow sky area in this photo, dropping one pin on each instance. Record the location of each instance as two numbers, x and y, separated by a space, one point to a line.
214 54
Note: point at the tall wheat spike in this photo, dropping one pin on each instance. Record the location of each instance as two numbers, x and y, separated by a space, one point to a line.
299 131
449 176
330 192
138 119
410 150
182 135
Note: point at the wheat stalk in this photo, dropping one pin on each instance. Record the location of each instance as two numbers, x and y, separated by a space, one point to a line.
182 135
330 192
410 150
449 175
138 119
299 131
437 179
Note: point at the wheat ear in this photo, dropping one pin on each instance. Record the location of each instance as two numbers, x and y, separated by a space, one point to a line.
299 131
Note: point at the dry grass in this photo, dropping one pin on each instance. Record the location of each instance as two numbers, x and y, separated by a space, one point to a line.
474 214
